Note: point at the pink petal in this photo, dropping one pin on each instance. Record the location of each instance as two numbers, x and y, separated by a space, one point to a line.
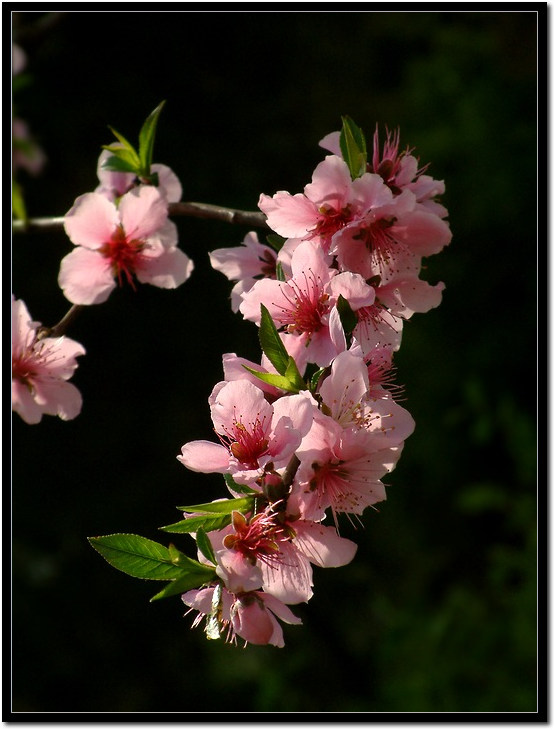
331 143
407 296
353 288
91 221
292 216
168 270
24 404
240 402
322 545
280 609
424 233
86 277
58 398
143 212
168 183
331 183
204 456
291 580
253 623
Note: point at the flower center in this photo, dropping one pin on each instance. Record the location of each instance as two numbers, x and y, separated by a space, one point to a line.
308 306
124 255
379 241
258 537
23 369
248 444
331 221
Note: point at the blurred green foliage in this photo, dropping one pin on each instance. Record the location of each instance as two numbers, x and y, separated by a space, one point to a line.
437 612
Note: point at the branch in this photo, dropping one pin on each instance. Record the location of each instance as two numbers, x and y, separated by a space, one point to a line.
194 210
290 471
59 329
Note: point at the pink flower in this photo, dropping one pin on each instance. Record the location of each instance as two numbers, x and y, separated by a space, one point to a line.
330 202
244 265
115 184
117 243
27 153
19 59
41 369
399 170
273 552
251 615
303 303
340 470
355 439
402 291
253 433
347 397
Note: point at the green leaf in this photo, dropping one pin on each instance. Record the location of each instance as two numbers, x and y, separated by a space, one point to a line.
125 149
118 164
353 147
137 556
187 564
241 488
186 583
18 202
271 344
275 241
146 139
224 506
348 318
192 524
280 276
316 379
293 375
205 546
279 381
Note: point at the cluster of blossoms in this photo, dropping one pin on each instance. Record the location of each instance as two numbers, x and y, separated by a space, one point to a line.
308 433
313 429
121 233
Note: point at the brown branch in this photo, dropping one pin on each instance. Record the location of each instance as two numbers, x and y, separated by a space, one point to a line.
216 212
290 471
59 329
194 210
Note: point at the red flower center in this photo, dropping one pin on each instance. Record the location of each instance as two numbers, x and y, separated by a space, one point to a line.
258 537
124 255
247 444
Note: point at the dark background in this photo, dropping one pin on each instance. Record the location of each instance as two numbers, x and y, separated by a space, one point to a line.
437 612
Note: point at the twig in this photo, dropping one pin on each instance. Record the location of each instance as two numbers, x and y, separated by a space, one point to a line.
290 471
59 329
194 210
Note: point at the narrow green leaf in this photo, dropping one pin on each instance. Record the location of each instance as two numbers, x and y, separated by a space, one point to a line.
118 164
186 583
293 375
127 147
224 506
241 488
353 147
346 315
205 546
280 276
18 202
316 379
137 556
146 139
271 344
192 524
279 381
